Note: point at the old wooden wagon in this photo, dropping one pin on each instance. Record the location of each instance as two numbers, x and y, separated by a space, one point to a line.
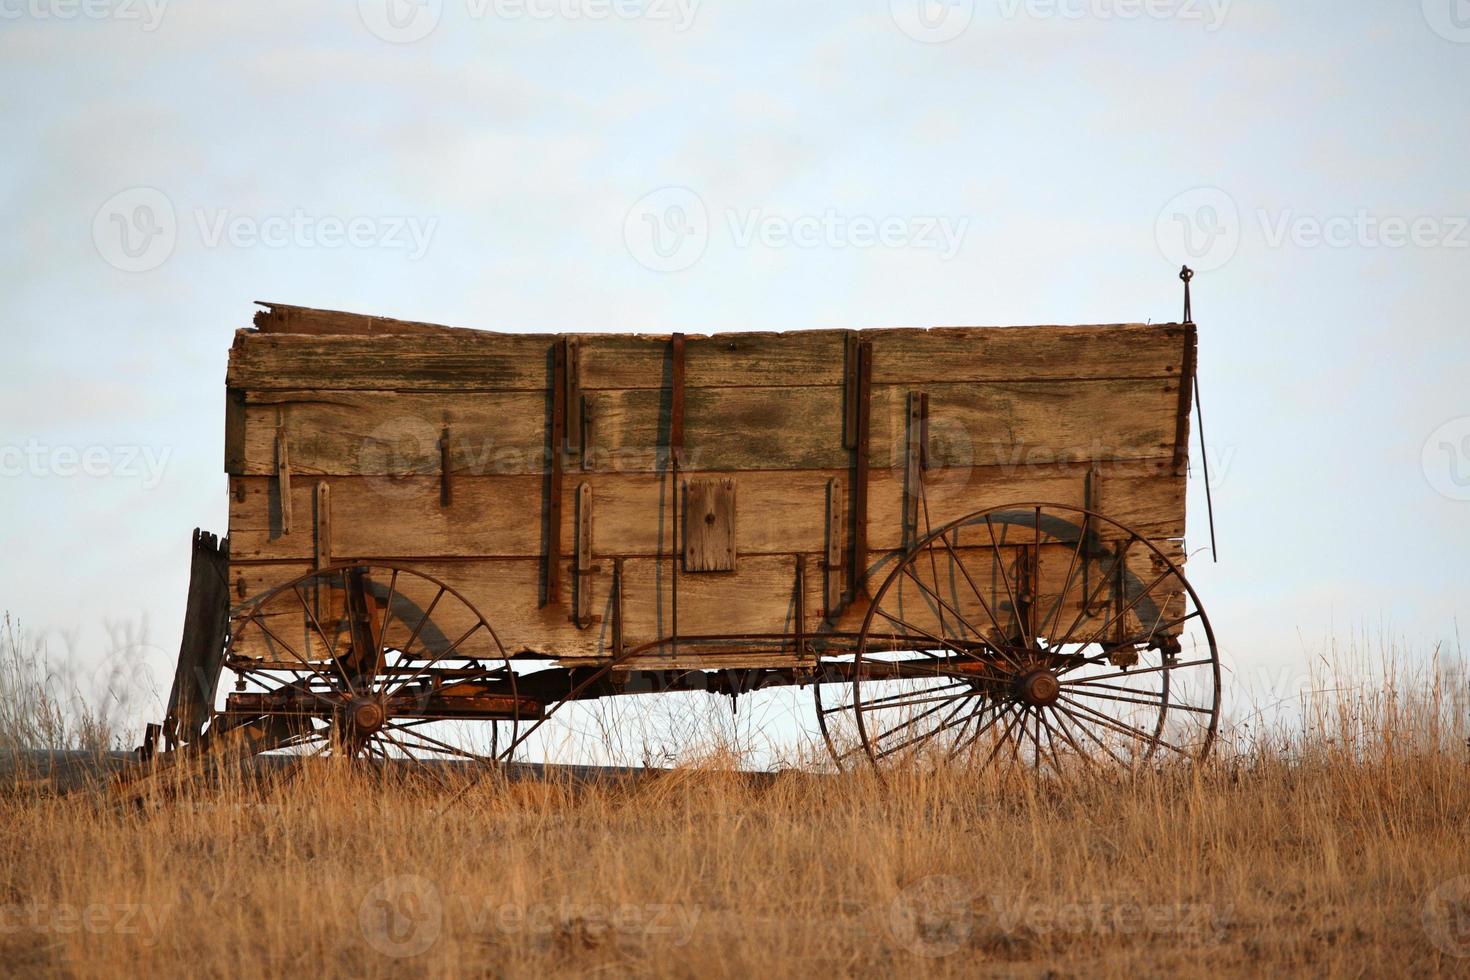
968 541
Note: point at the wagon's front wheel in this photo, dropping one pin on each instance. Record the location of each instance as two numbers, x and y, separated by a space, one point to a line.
365 661
1034 634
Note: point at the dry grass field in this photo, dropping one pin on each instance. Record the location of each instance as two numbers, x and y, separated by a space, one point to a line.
1340 850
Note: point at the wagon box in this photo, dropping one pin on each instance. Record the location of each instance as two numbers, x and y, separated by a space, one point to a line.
436 523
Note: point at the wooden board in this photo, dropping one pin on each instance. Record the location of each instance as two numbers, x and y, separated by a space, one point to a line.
426 357
761 598
501 516
726 429
708 538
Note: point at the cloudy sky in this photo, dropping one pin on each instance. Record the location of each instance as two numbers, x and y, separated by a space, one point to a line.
497 163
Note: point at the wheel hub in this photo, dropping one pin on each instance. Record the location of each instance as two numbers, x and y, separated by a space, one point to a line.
1038 688
367 715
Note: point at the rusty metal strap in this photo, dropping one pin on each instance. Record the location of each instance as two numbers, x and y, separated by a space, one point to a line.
676 401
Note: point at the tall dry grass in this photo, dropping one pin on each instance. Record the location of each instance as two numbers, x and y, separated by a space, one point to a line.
1338 847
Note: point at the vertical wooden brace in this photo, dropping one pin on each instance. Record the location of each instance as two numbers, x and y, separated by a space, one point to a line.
833 564
676 401
860 480
583 612
323 524
283 475
446 490
554 482
850 391
1186 394
617 608
572 392
676 460
913 466
800 632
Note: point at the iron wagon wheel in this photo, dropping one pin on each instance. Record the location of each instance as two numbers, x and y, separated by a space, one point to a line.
1034 633
358 660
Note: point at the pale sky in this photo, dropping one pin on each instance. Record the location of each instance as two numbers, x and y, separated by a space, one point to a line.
489 164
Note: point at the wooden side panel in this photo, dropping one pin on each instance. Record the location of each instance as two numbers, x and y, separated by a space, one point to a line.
500 516
728 429
380 353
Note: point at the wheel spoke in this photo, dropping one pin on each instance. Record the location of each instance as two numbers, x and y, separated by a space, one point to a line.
1056 612
330 647
995 557
1015 608
1136 671
1166 705
1124 729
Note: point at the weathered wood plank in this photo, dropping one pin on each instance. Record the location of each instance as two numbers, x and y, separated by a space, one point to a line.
975 354
284 318
760 598
786 512
445 359
709 525
1021 423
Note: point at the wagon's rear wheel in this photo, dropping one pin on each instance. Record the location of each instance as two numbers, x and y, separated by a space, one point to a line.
1035 634
361 661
